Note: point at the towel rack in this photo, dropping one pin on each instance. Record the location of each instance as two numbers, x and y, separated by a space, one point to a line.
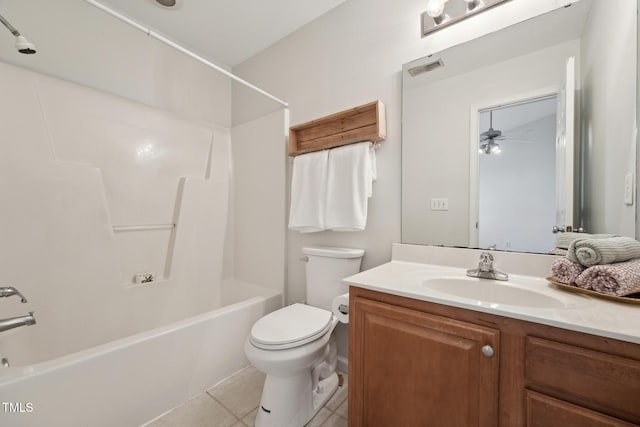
363 123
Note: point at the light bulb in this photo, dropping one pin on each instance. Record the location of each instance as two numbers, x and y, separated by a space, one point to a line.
472 4
435 8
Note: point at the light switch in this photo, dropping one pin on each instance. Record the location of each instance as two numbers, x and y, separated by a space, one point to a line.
440 204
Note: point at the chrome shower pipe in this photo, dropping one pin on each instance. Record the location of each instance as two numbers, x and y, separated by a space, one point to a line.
148 31
9 26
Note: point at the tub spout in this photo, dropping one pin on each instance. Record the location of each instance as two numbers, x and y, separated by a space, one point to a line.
8 291
15 322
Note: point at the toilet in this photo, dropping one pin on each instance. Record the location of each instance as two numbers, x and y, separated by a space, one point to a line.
295 346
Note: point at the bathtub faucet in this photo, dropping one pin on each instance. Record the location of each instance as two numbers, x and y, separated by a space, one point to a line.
15 322
8 291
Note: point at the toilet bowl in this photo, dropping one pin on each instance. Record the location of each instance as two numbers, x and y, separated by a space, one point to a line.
295 346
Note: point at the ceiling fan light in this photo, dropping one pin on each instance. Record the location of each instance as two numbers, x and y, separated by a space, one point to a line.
489 147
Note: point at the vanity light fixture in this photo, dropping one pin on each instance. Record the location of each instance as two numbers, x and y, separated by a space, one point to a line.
442 13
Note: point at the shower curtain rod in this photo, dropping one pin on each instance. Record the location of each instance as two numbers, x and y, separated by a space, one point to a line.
182 49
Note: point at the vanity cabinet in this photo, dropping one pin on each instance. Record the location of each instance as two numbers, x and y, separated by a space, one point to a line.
417 367
416 363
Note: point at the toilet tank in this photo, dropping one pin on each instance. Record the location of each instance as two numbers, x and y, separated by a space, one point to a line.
325 268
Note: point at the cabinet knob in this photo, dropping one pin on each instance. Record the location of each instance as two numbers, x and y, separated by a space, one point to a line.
487 350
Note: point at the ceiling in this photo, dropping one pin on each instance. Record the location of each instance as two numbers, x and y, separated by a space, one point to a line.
515 116
226 32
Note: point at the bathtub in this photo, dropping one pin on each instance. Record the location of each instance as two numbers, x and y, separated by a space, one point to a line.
130 381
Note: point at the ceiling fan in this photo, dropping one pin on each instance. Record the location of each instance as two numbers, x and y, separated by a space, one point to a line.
488 138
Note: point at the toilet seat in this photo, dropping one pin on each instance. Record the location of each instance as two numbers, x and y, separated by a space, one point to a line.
290 327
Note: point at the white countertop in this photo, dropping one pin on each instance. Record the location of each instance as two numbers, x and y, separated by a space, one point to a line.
575 312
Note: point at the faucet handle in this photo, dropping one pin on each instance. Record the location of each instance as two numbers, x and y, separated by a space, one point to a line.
486 262
7 291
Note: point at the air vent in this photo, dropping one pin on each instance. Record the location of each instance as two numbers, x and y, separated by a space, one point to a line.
425 68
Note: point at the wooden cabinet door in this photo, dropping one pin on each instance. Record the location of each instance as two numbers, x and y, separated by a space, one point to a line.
409 368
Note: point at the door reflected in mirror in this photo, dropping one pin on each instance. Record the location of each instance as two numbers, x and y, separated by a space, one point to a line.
516 154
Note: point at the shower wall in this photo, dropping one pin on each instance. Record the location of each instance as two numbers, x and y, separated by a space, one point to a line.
85 179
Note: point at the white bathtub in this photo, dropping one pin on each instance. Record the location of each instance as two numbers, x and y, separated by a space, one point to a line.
133 380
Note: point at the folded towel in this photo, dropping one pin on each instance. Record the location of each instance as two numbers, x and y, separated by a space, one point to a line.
590 252
565 239
349 185
374 169
620 279
565 271
309 192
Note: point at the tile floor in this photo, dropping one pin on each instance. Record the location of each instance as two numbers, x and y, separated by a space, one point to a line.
234 403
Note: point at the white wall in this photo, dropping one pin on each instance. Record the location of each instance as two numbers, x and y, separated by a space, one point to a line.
635 195
350 56
259 200
609 57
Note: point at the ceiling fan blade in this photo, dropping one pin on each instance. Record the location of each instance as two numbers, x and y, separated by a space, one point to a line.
519 140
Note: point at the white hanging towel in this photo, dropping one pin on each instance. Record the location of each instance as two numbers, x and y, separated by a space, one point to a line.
309 192
352 170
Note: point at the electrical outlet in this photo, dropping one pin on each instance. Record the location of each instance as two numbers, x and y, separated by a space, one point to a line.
628 189
441 204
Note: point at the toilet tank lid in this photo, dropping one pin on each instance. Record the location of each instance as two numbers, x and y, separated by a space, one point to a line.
331 252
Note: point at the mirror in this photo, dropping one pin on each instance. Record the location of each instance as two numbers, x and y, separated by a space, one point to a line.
575 163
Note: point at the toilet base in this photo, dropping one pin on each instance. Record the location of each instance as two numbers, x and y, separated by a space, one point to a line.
291 402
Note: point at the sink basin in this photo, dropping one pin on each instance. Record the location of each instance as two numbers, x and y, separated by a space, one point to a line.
491 293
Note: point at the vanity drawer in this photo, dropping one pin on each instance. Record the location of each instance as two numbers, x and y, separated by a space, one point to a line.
606 383
545 411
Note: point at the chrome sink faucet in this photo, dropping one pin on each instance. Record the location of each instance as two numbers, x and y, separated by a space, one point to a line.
485 269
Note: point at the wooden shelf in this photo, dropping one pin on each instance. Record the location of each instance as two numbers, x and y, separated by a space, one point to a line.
364 123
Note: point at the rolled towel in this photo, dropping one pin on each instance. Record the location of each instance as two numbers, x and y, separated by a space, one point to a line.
620 279
590 252
565 271
565 239
558 251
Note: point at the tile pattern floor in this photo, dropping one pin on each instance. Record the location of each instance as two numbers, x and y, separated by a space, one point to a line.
234 403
